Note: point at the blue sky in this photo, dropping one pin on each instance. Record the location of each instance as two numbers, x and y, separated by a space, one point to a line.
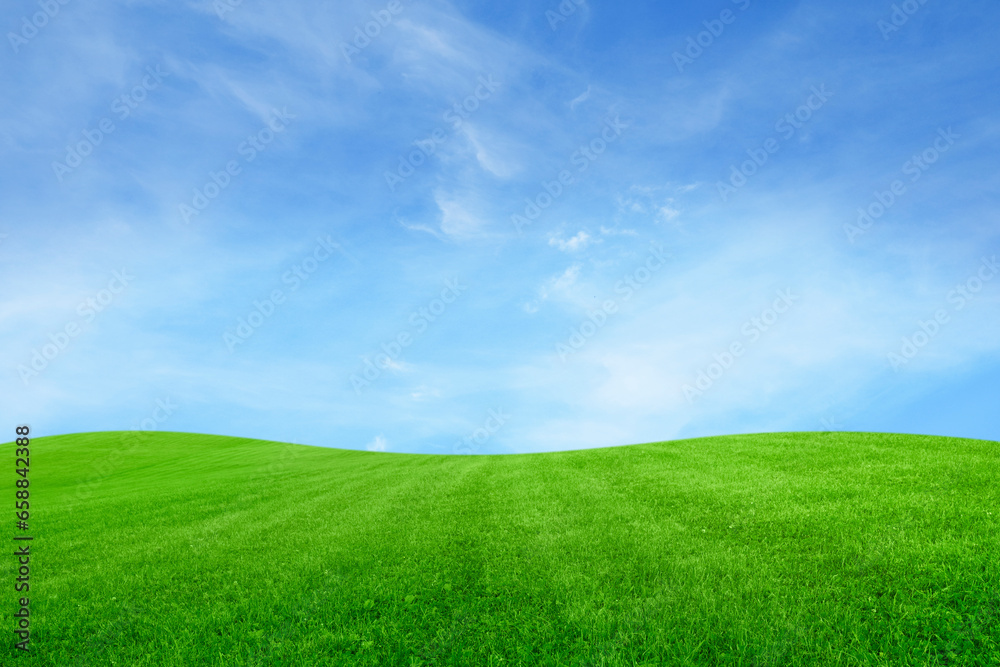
499 228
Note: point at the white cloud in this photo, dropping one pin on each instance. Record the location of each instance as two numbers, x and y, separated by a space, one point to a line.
398 366
667 213
567 279
583 97
378 444
489 152
423 392
642 203
609 231
456 220
562 287
420 228
578 242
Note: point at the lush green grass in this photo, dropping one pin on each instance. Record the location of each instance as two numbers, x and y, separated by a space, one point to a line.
781 549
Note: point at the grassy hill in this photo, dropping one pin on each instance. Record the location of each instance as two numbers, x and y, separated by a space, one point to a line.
778 549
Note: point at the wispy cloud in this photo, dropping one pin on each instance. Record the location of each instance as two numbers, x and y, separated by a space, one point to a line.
580 99
578 242
378 444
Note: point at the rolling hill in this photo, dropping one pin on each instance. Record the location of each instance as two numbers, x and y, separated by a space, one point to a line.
776 549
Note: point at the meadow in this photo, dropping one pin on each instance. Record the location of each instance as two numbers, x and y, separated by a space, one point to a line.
784 549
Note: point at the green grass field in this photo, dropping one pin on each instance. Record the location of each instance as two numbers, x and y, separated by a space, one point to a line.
779 549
